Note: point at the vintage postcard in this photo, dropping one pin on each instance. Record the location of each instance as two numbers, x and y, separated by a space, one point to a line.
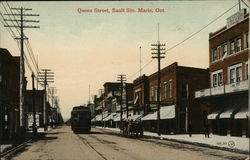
124 80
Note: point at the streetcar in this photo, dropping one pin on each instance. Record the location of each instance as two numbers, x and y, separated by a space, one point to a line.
80 119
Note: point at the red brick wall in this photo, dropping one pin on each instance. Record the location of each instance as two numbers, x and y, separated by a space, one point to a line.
167 73
240 57
142 83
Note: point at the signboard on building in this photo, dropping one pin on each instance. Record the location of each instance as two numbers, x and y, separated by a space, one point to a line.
235 18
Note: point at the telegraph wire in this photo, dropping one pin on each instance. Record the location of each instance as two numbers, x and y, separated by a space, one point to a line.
189 37
13 35
29 49
27 44
11 18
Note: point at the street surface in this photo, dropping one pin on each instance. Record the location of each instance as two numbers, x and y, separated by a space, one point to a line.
100 144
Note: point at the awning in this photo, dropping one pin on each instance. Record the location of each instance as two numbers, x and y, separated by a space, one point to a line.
215 113
243 113
118 117
99 107
166 112
150 116
99 117
227 113
110 117
136 117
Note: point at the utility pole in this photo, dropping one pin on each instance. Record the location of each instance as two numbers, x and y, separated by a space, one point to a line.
158 54
121 78
46 76
37 72
34 127
126 90
140 61
53 92
102 94
20 25
89 94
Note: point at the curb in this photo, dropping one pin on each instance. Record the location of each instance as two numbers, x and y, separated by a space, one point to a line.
200 144
14 149
187 142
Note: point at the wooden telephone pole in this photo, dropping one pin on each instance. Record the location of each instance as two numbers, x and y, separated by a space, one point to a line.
45 76
102 94
157 52
20 25
121 78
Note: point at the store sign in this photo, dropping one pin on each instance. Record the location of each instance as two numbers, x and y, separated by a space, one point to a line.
236 18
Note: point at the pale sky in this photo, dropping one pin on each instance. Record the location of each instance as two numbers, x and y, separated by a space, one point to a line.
93 48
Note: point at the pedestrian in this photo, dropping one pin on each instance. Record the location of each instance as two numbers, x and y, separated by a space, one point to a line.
206 130
190 128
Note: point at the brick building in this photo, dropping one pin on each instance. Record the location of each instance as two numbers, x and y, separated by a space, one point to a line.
225 103
178 85
39 107
9 96
141 95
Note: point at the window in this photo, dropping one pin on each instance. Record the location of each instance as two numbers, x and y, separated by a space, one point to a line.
214 55
155 94
238 45
165 90
170 89
217 78
232 75
232 47
246 43
184 90
224 50
238 74
235 73
152 91
220 79
247 70
219 52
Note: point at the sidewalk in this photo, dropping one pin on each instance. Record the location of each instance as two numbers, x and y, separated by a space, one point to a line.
6 147
238 144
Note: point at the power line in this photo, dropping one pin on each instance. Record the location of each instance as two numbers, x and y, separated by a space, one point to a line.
13 16
189 37
12 34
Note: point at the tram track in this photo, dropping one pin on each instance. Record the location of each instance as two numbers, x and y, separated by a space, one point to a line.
92 147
